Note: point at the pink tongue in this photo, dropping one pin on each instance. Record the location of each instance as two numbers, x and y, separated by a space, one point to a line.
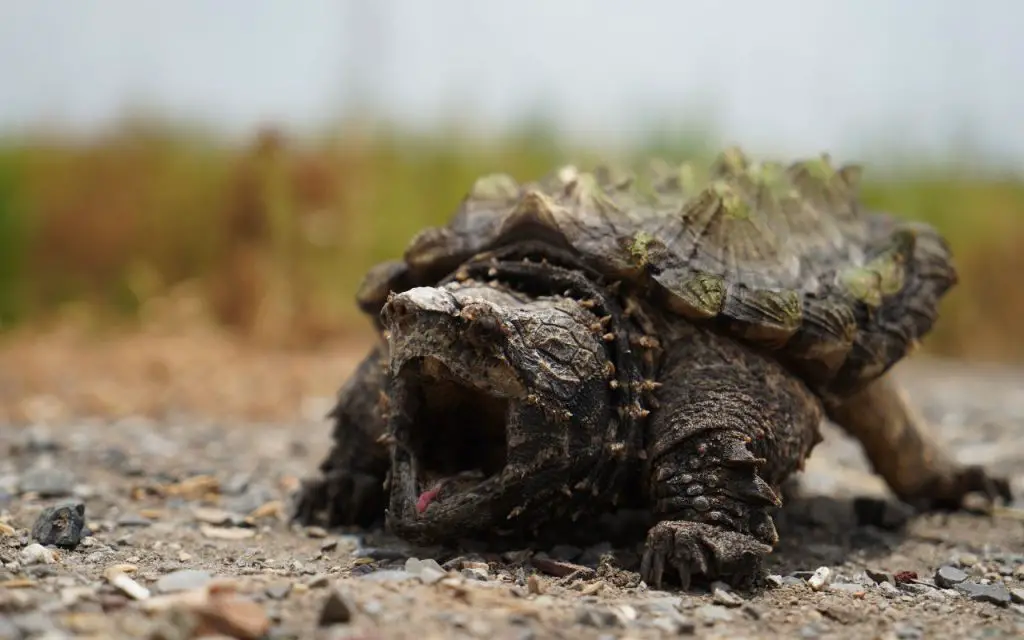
426 498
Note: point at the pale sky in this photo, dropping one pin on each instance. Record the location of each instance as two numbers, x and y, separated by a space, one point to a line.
789 75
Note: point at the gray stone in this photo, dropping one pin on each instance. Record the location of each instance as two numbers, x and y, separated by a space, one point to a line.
996 594
712 613
60 525
948 576
36 554
1017 595
48 482
338 608
183 580
474 573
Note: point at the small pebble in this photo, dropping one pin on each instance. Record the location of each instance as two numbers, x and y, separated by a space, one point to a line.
472 573
721 594
821 578
881 576
183 580
36 553
948 576
318 581
1017 595
846 587
278 590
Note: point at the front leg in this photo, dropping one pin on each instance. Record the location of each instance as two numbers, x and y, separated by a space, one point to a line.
732 425
350 488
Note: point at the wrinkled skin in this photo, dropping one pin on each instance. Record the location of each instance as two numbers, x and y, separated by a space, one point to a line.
517 413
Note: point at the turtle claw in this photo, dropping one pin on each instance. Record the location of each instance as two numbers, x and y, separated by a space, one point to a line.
694 549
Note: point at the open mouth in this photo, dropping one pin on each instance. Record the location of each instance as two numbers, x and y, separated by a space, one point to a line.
455 432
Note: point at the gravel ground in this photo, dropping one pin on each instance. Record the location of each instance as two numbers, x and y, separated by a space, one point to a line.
185 534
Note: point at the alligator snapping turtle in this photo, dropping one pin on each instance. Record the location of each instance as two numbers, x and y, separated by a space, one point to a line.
671 341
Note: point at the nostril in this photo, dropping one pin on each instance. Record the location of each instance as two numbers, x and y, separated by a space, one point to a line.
398 307
485 329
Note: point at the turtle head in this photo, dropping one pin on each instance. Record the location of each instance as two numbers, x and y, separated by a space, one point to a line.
485 389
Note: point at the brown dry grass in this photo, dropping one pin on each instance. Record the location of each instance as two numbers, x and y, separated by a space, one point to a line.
269 241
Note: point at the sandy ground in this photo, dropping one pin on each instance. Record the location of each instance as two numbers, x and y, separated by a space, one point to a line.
185 471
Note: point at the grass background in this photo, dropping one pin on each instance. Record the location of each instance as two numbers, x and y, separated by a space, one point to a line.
152 224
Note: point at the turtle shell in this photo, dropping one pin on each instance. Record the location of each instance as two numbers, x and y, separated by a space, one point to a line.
782 257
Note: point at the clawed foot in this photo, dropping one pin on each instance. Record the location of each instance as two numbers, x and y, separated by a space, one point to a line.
694 549
340 498
967 480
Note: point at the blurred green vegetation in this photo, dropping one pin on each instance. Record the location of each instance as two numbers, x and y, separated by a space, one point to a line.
272 238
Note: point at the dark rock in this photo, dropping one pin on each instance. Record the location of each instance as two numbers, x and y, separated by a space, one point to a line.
338 608
60 525
947 576
591 557
881 576
993 593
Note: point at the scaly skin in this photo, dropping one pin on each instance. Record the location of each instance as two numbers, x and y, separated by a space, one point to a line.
731 426
903 450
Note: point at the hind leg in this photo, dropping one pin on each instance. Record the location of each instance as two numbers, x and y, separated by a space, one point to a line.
350 489
730 428
903 450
